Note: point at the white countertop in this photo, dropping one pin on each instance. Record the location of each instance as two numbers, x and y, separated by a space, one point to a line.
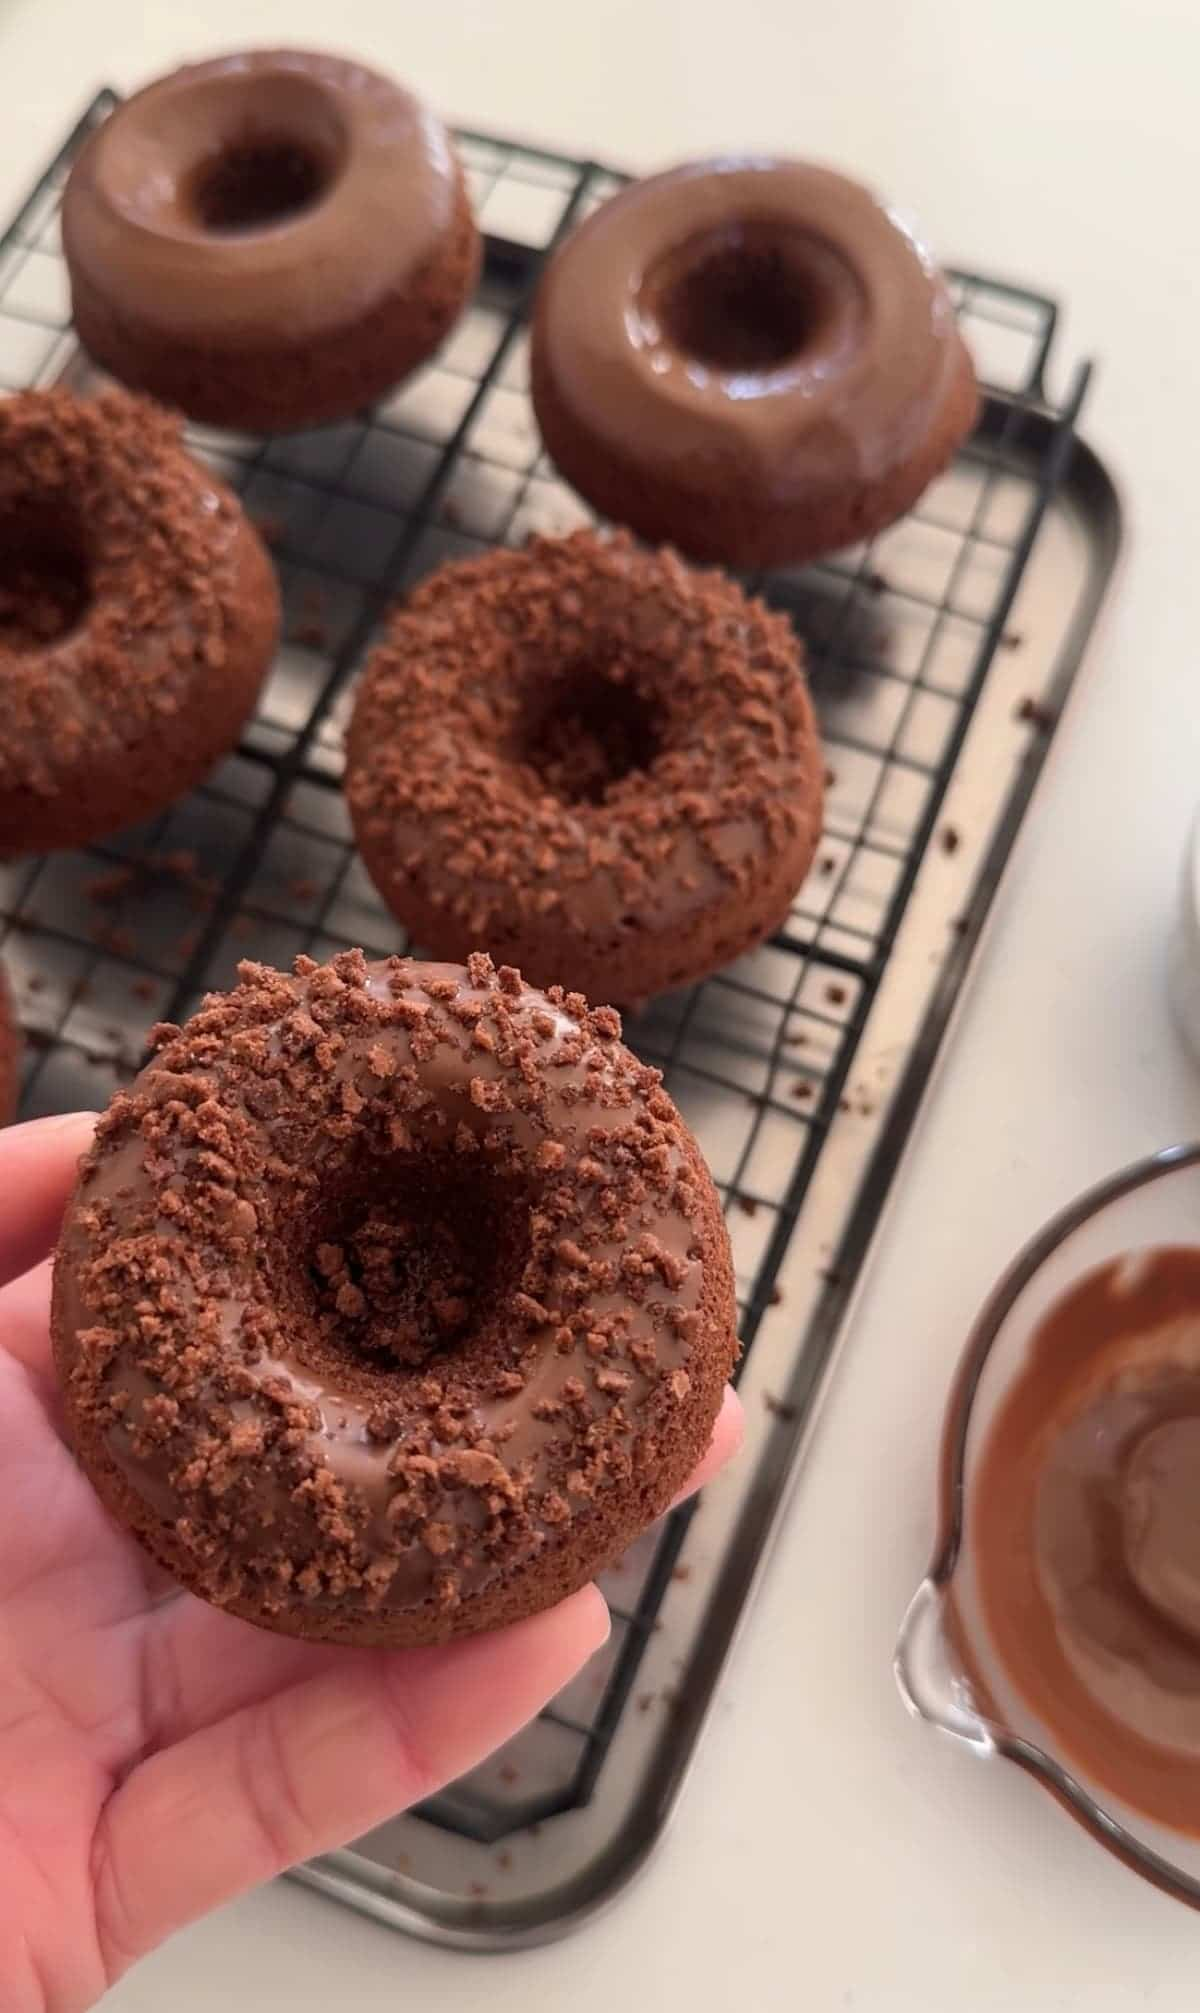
829 1853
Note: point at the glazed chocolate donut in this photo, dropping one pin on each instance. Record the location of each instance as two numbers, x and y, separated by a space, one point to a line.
268 240
594 758
138 616
393 1301
10 1053
750 358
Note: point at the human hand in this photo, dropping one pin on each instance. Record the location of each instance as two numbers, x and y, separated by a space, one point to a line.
158 1757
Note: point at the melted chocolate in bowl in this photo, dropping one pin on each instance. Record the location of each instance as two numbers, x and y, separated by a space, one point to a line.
45 583
1083 1528
749 298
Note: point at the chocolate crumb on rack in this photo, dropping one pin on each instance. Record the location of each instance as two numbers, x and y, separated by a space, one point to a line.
1033 713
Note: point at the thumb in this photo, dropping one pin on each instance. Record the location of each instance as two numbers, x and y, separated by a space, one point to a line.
313 1766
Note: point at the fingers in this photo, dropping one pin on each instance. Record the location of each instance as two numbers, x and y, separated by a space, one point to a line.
37 1170
273 1750
25 1321
199 1665
309 1768
728 1434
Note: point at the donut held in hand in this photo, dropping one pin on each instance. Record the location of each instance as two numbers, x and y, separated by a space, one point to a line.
394 1300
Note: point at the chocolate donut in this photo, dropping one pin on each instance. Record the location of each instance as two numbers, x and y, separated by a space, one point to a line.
595 759
10 1053
138 615
750 358
393 1301
268 240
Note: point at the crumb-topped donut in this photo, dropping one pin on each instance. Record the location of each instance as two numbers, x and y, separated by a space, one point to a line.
268 240
595 759
10 1053
751 358
393 1301
138 617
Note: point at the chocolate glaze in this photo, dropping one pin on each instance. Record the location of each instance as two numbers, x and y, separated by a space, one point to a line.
248 1425
134 229
1083 1527
877 344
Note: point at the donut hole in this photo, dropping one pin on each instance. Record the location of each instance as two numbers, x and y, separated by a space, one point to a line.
45 578
417 1264
591 734
748 298
254 183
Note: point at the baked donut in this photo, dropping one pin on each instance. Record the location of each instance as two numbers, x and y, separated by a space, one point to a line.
393 1301
138 615
750 358
593 758
10 1053
268 240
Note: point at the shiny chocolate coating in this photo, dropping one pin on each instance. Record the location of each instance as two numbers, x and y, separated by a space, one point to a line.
760 342
131 219
276 210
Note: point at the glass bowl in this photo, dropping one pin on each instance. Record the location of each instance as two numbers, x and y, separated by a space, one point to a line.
947 1669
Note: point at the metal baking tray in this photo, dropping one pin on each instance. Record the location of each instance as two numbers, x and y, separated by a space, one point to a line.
941 656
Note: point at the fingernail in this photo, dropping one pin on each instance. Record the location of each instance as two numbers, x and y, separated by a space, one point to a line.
600 1617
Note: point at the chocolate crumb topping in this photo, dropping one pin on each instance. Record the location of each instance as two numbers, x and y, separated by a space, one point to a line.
137 615
595 755
375 1331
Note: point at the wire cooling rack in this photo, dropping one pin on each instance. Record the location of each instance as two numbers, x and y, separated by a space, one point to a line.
903 638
